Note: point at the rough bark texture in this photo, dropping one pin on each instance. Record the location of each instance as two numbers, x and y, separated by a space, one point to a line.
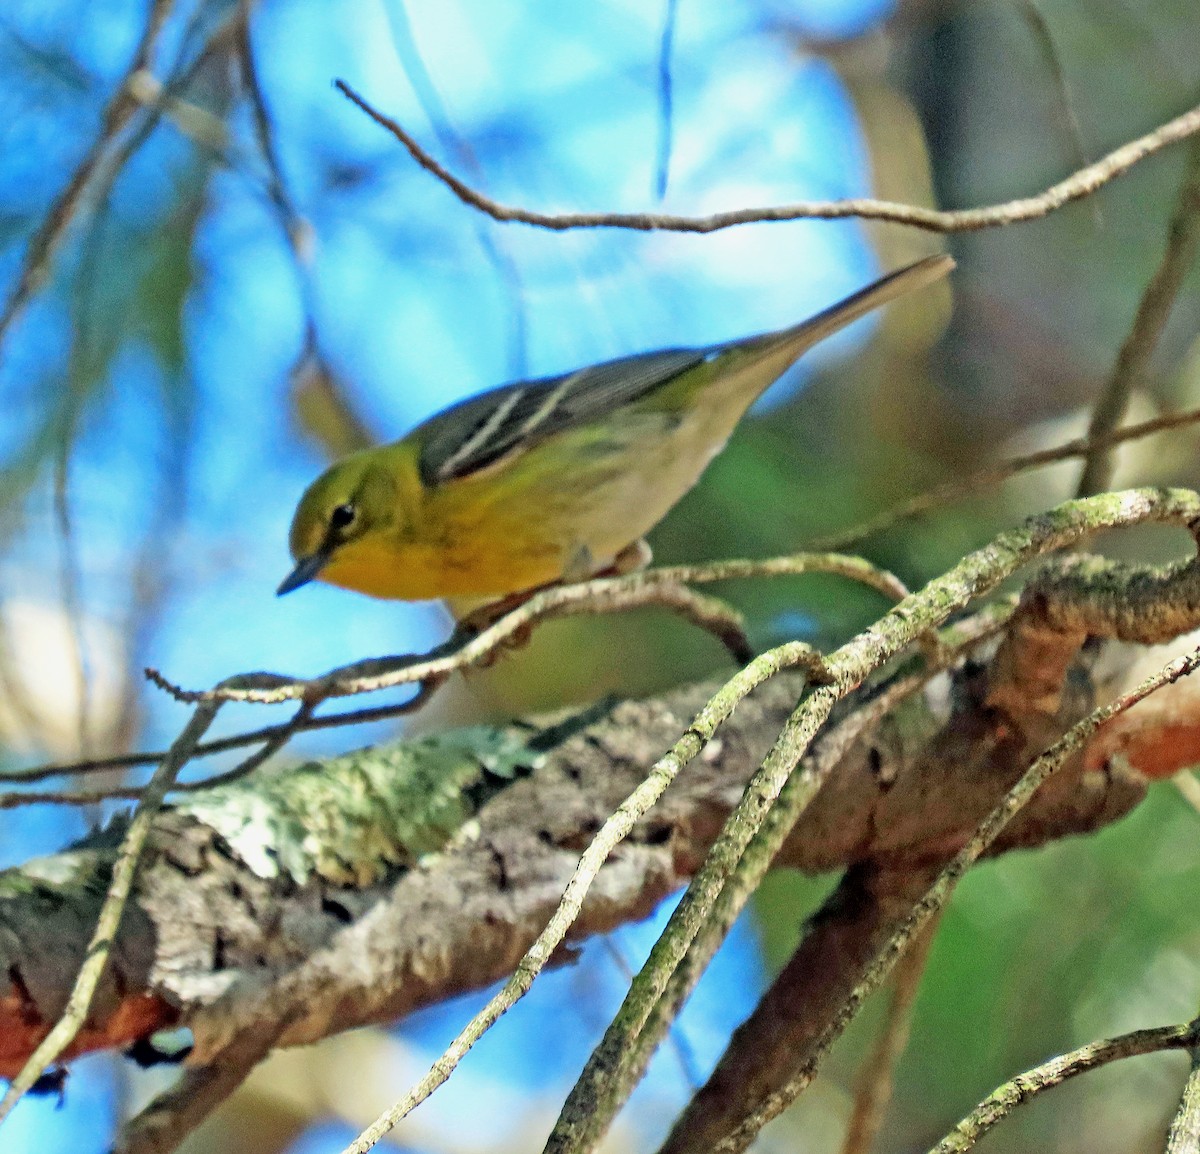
313 900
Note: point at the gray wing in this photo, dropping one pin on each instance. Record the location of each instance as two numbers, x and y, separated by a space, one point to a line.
480 430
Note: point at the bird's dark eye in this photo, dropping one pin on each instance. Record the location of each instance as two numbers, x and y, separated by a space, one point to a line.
342 517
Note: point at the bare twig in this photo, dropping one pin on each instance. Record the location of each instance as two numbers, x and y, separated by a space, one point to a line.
1040 28
1076 186
63 1033
45 243
77 797
1000 1104
939 893
876 1077
1183 238
665 586
279 736
160 99
207 748
793 655
992 475
296 227
297 230
197 124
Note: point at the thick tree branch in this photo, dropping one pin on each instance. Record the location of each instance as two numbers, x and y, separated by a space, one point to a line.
787 782
1017 707
109 915
234 928
890 939
306 901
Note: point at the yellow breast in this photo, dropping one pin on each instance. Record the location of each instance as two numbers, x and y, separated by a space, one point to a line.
583 495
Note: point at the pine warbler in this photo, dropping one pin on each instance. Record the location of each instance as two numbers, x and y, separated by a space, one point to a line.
550 480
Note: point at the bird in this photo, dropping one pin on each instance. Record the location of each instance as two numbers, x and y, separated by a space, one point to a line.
548 481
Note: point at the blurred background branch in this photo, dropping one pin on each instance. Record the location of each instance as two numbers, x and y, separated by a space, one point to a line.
1183 233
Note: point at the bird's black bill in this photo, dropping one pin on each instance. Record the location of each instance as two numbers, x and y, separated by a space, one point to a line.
306 569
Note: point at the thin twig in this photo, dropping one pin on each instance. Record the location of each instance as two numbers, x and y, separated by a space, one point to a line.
992 475
208 132
939 893
164 100
17 799
1076 186
278 738
1040 28
159 99
45 243
876 1077
790 656
785 784
1183 239
1000 1104
209 748
63 1033
269 748
665 586
296 227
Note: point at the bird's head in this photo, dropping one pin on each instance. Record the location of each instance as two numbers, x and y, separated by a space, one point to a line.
352 502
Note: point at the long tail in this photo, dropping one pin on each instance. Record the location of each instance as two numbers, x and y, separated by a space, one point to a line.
747 367
896 284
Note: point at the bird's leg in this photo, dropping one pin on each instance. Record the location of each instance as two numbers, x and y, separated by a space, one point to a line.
487 615
631 559
708 613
